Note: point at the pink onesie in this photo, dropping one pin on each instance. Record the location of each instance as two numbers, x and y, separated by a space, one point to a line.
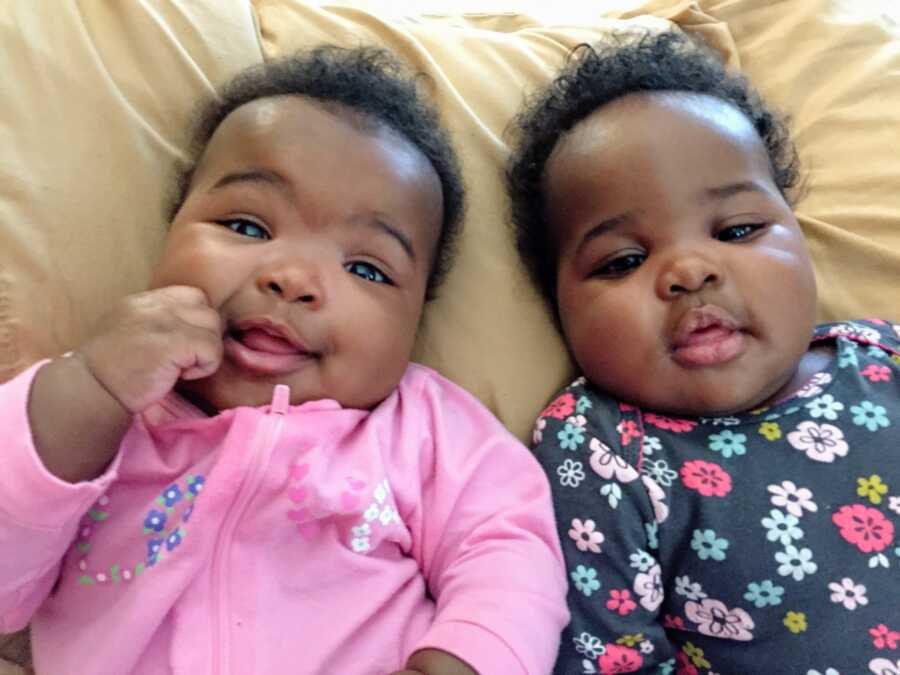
285 539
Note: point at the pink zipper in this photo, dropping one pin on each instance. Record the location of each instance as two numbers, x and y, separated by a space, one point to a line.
259 460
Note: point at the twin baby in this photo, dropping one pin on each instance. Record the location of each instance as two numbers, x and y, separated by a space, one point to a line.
242 472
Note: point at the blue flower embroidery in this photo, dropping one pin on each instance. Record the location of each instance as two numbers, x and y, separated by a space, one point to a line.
174 540
570 437
195 484
155 521
708 545
728 443
172 496
585 579
764 593
153 548
652 529
848 358
870 415
583 403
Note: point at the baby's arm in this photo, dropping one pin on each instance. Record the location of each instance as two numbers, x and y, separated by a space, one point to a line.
484 535
80 406
63 422
607 517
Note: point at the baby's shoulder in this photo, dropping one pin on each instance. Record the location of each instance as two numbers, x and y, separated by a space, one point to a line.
870 332
580 417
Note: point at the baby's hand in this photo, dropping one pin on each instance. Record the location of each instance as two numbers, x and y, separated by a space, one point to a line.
150 341
435 662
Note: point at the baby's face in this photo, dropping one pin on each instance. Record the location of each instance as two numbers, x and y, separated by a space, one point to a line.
684 282
313 236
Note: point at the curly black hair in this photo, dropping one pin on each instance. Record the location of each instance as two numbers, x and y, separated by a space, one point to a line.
368 81
597 75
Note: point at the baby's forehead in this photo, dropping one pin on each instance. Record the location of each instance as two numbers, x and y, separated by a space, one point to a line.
280 129
651 116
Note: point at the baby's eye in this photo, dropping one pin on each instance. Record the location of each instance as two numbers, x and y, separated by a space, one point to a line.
620 266
367 271
738 232
246 227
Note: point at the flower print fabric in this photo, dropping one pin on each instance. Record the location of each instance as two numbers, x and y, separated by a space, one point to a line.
733 545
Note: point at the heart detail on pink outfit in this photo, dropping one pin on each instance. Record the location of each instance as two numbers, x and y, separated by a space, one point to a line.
356 484
309 529
298 494
298 515
299 471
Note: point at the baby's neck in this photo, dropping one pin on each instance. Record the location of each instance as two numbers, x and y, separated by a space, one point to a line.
815 360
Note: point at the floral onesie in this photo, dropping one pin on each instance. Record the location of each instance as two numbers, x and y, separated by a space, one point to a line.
766 542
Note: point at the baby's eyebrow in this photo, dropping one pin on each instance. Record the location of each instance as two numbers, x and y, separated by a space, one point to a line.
264 176
601 228
379 224
729 190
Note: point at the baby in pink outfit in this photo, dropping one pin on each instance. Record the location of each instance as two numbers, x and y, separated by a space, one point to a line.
240 471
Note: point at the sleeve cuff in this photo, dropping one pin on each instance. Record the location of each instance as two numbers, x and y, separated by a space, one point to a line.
32 496
482 649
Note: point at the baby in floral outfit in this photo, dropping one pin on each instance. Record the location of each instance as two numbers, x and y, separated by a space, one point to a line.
726 475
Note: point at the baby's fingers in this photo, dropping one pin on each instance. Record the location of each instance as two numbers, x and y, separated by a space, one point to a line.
202 355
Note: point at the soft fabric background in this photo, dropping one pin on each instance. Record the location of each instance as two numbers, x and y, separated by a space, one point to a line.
97 97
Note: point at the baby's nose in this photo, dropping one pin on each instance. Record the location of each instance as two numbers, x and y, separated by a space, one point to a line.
292 282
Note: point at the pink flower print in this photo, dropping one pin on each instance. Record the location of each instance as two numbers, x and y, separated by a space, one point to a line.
820 442
882 637
673 424
848 593
657 499
561 408
585 536
538 434
814 386
648 587
709 479
685 667
884 667
876 373
627 429
864 527
620 601
792 499
619 659
675 622
608 465
714 618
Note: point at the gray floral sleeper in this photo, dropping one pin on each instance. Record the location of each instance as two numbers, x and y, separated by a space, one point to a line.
766 542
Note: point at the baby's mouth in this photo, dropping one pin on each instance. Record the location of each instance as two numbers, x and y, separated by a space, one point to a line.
707 336
261 340
265 348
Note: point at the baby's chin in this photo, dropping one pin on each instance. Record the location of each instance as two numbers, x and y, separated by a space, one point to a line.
212 396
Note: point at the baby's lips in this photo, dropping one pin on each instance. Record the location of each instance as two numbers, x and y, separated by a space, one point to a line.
263 341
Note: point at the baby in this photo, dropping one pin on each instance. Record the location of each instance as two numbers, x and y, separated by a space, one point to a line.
240 471
726 475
